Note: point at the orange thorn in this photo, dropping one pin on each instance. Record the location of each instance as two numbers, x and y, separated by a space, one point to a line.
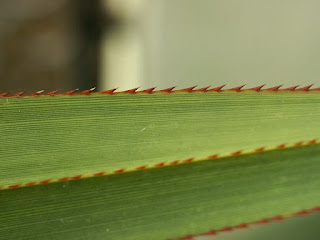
315 89
149 90
236 89
175 162
299 143
306 88
119 170
4 94
277 218
15 185
226 229
99 174
290 88
133 90
258 89
35 93
19 94
212 232
236 153
281 146
70 92
64 179
242 226
302 213
45 181
188 160
314 141
87 92
160 164
316 209
276 88
187 238
216 89
190 89
263 221
52 93
213 156
111 91
260 149
204 89
141 167
167 90
76 177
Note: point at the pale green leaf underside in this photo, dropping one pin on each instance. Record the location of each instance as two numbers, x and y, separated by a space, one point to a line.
53 137
166 202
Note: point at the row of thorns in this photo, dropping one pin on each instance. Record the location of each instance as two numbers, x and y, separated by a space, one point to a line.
167 90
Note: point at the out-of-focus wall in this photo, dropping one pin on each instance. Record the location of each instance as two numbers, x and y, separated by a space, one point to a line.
47 45
205 42
35 44
122 47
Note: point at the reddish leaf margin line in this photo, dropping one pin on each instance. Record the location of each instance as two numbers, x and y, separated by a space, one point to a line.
167 90
247 225
162 164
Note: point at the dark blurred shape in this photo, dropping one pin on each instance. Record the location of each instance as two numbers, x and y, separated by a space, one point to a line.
48 45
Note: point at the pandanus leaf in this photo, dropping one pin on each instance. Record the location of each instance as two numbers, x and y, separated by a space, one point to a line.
151 164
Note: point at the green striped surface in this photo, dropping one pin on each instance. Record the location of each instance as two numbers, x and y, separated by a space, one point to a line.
166 202
52 137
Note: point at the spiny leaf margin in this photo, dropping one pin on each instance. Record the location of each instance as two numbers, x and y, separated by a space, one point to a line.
152 90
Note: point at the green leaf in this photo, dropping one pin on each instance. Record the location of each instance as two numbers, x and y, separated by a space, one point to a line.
167 202
54 139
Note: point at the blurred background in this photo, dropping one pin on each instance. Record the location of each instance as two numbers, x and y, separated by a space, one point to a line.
68 44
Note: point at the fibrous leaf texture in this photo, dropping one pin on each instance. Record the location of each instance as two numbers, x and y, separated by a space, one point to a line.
155 164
